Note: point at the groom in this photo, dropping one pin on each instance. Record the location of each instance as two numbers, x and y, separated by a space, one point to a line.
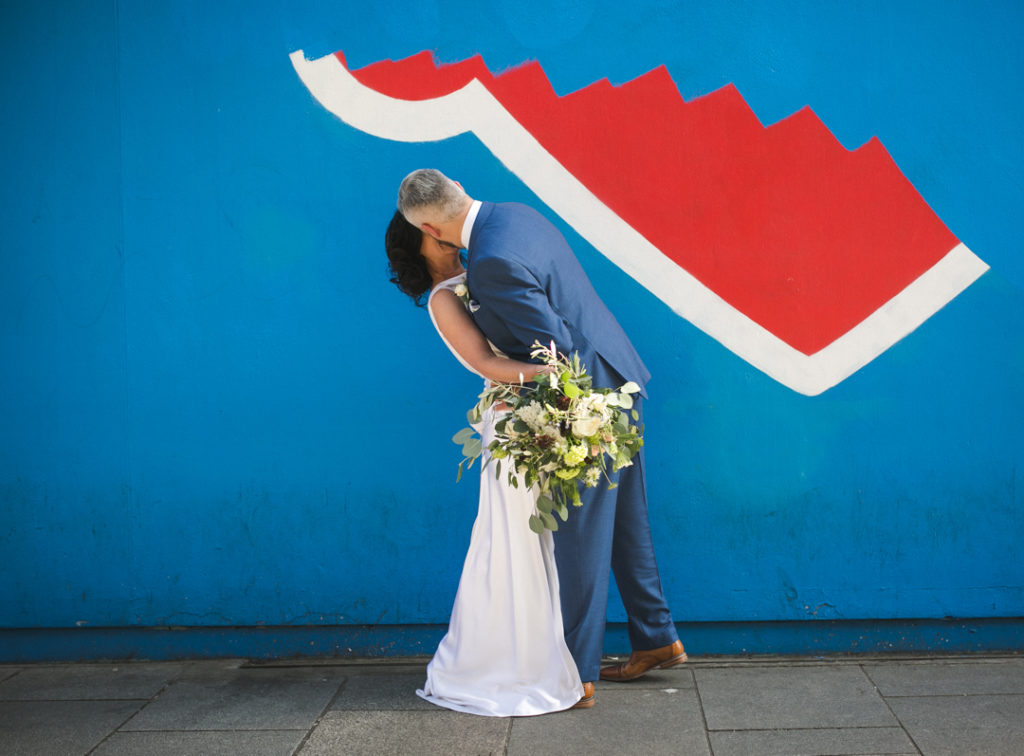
529 287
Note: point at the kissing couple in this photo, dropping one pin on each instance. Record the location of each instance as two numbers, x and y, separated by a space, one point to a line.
527 628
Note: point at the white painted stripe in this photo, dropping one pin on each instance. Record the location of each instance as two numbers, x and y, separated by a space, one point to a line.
474 108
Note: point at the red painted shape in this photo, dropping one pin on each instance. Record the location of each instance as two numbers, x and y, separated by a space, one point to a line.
800 234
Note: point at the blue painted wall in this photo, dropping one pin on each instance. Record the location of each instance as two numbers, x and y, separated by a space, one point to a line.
195 320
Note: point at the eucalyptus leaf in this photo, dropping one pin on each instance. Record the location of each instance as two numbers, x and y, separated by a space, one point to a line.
549 522
472 448
636 416
544 504
536 525
463 435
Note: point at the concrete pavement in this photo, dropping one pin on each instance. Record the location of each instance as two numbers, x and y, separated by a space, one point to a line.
728 706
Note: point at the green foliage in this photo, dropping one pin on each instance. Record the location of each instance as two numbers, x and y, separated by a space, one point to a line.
558 434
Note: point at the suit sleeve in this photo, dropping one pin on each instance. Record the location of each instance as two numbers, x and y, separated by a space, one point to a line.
516 298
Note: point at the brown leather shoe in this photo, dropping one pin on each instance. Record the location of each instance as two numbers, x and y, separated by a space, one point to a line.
588 697
640 662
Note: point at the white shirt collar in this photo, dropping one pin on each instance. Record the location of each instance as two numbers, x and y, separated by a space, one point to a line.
467 225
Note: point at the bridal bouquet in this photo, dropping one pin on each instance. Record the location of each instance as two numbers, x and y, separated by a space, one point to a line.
560 433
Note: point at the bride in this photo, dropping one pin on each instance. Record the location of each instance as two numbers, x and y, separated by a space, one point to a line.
504 653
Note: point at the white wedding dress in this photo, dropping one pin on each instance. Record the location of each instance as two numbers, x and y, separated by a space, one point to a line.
504 653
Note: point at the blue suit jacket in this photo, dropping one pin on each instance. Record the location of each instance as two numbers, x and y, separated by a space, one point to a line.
530 287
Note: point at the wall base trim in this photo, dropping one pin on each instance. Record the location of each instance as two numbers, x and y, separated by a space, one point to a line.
800 637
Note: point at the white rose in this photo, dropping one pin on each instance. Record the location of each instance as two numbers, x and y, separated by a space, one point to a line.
586 427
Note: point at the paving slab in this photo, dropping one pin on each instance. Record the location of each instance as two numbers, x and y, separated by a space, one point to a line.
219 743
792 706
838 741
211 669
369 692
947 678
637 720
54 728
752 698
75 682
963 725
346 666
7 670
241 699
355 733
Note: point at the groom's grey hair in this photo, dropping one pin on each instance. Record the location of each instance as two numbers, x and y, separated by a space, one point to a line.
427 194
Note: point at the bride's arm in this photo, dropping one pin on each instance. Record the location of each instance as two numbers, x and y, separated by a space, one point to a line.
469 342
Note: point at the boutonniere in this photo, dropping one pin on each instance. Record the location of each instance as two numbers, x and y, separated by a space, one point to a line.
462 292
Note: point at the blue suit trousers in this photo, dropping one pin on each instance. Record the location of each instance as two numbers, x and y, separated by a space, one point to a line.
611 528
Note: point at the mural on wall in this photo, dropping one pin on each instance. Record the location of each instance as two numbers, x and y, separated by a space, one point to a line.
179 271
804 258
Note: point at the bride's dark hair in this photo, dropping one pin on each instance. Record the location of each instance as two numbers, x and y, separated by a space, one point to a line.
407 266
